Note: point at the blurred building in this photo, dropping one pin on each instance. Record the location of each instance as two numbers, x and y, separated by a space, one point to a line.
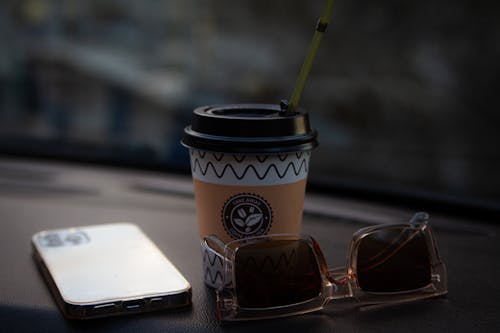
401 92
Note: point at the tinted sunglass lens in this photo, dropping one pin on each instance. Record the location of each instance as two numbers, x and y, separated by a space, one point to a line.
393 260
276 273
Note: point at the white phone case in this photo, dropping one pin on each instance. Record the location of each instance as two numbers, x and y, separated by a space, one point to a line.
110 269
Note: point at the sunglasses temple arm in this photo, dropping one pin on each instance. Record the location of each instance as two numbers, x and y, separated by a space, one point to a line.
419 218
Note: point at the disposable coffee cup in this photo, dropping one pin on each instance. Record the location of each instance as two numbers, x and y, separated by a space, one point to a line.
249 164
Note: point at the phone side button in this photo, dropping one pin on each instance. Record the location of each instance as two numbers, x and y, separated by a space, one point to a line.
158 302
133 305
102 309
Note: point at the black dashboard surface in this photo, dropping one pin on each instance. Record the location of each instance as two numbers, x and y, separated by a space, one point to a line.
36 196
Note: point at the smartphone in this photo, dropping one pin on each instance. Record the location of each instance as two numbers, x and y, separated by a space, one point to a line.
110 269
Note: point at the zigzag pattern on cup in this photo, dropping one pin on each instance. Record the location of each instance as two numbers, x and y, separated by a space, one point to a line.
249 169
302 168
240 158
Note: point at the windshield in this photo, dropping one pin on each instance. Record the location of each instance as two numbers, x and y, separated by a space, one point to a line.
401 93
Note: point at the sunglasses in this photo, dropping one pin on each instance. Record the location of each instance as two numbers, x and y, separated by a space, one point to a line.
281 275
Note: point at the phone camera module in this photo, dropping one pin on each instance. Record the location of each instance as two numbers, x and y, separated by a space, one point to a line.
76 238
58 239
50 240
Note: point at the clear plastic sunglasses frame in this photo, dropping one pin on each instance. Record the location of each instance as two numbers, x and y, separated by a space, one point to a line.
338 283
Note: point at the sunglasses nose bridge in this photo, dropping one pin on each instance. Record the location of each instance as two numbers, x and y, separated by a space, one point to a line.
339 286
337 290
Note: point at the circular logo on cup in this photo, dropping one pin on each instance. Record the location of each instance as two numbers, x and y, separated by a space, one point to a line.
246 215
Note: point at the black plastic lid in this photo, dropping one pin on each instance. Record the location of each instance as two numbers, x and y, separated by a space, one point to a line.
249 128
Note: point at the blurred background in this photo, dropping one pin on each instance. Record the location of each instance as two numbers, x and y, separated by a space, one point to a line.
403 93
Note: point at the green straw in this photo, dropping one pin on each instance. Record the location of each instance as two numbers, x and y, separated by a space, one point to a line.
308 61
